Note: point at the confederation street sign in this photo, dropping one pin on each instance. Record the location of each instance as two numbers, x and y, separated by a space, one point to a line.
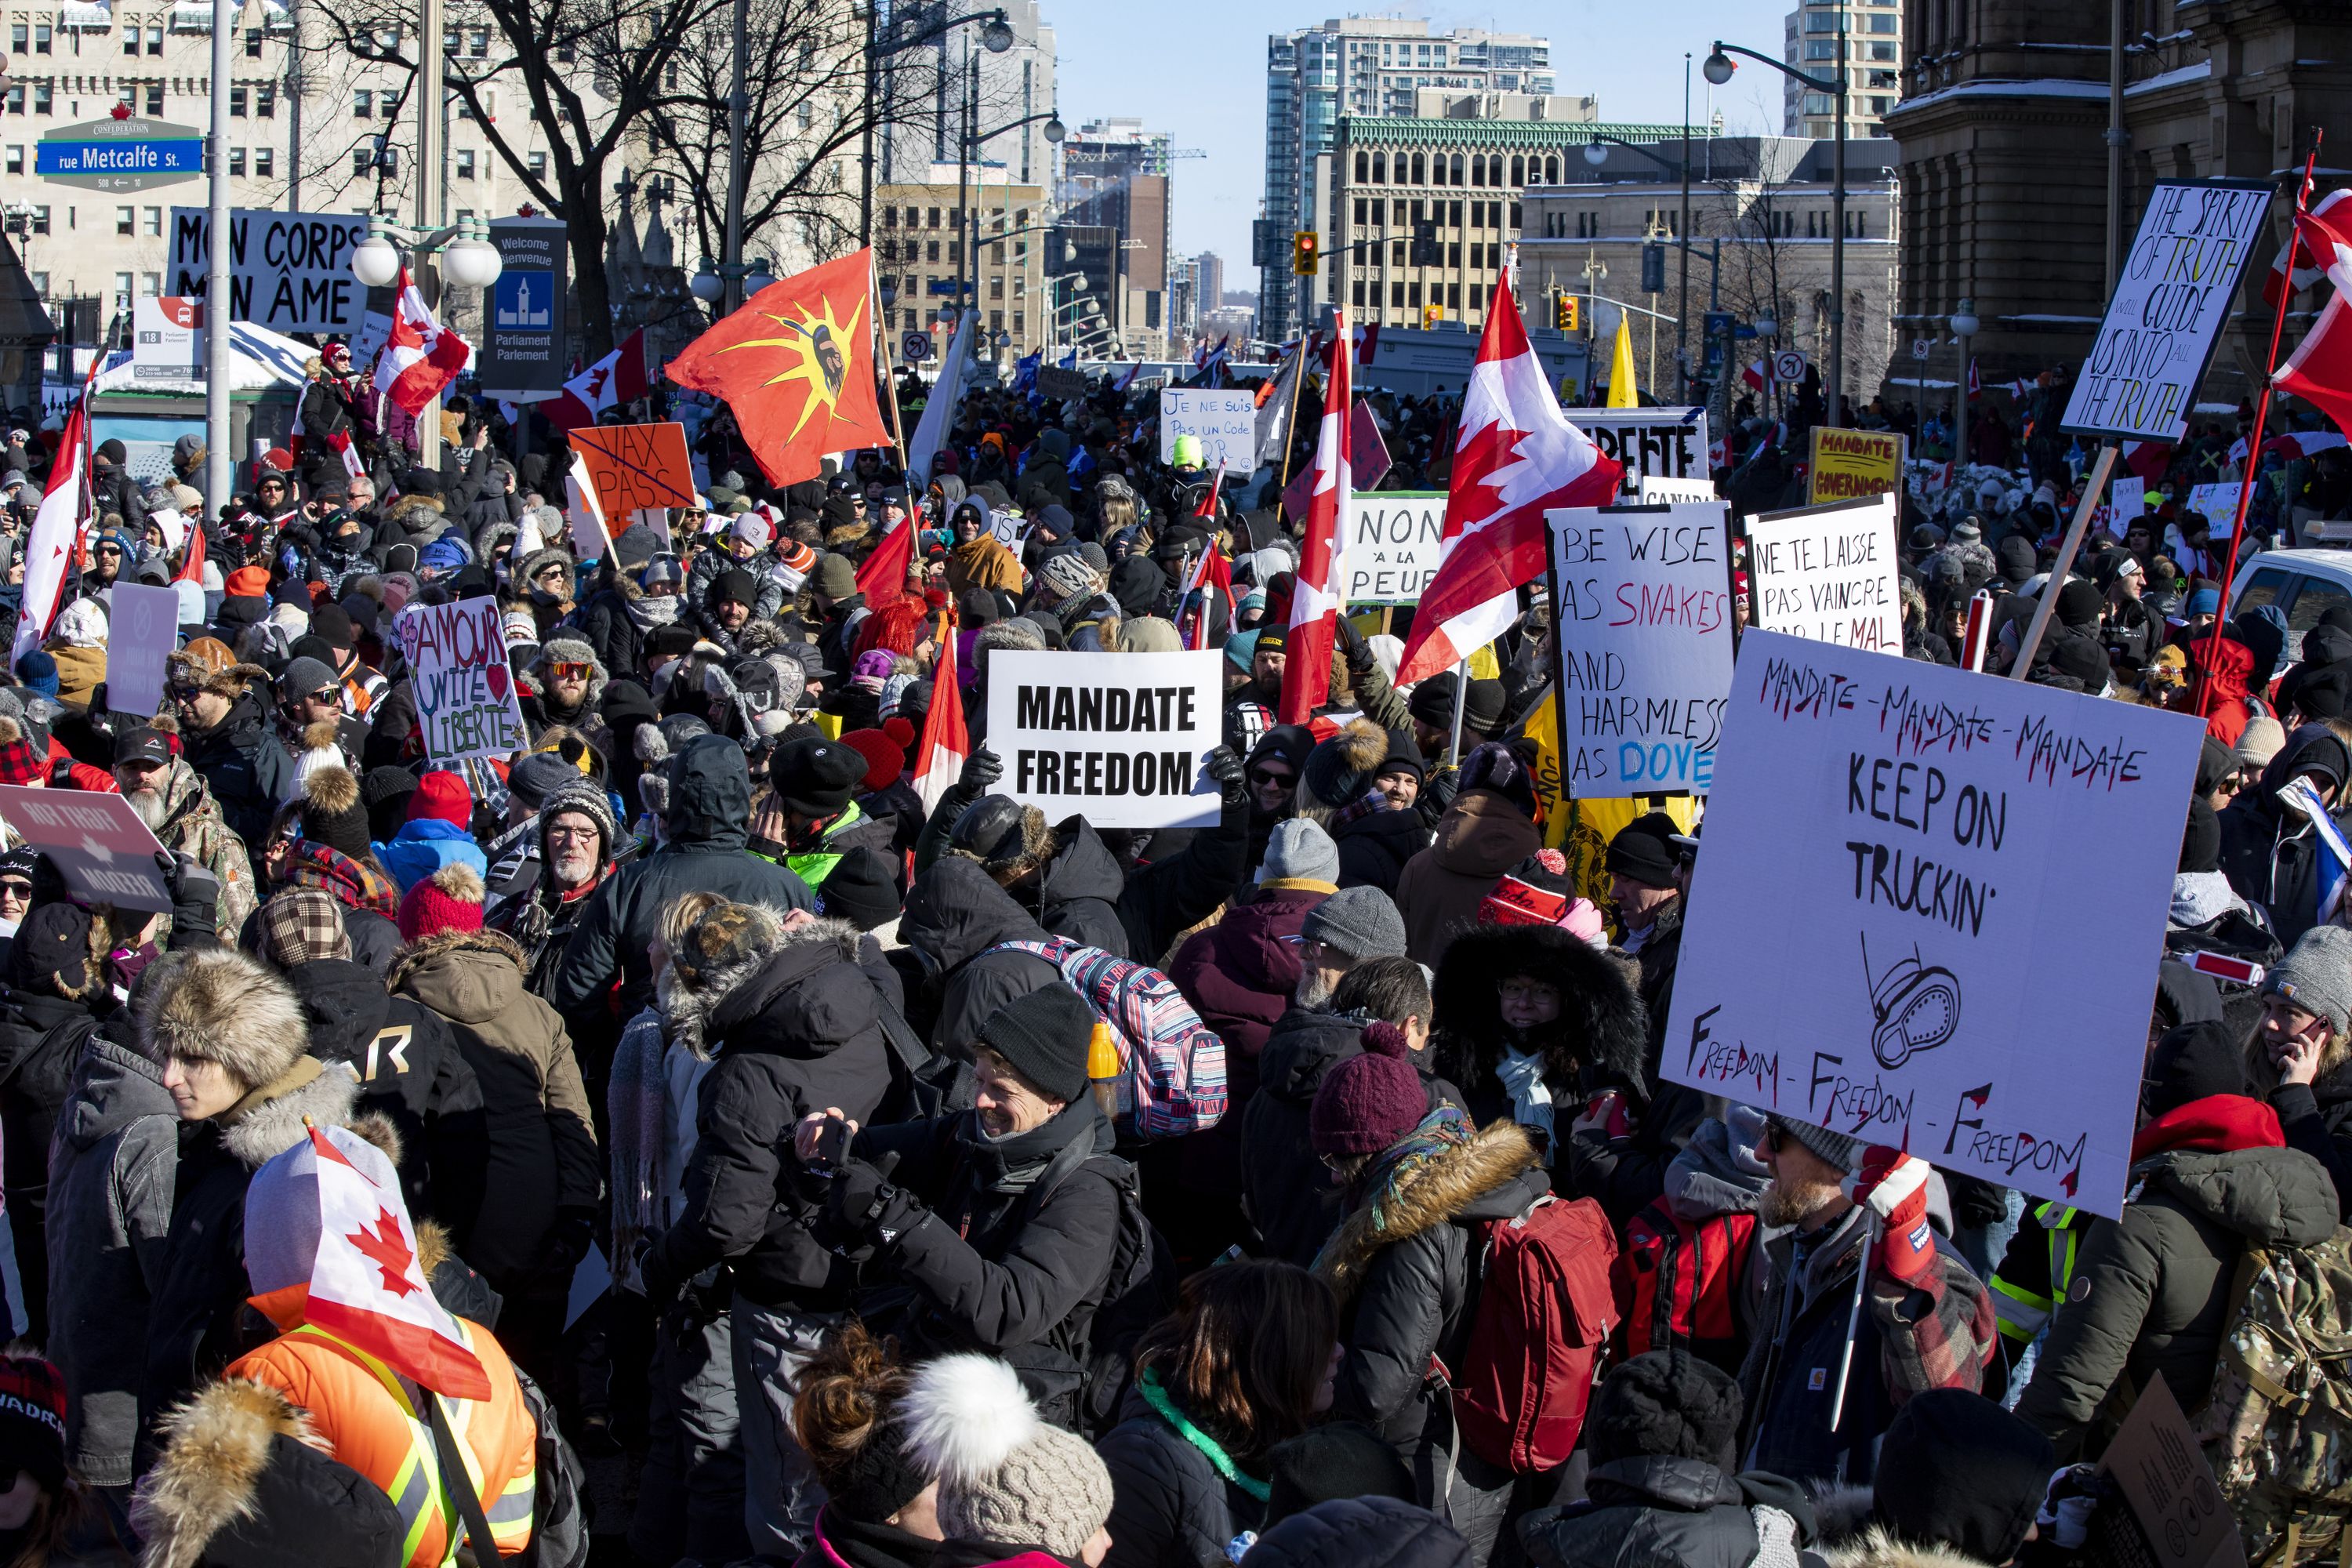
131 155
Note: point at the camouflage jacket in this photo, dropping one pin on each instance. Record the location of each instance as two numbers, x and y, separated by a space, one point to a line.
193 825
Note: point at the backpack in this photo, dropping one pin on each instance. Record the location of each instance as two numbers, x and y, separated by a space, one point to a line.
1677 1281
2278 1430
1543 1315
1174 1081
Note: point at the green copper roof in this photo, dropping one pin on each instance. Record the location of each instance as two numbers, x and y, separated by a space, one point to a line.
1370 130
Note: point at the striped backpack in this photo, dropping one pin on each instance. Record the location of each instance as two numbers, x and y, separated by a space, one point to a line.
1174 1078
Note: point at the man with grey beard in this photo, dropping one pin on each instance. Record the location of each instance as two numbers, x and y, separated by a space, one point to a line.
171 799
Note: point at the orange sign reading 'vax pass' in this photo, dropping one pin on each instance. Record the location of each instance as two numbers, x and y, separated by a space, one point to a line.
636 465
1848 465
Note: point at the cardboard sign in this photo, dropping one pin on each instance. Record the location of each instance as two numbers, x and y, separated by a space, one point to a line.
1984 868
1656 488
1392 540
1643 599
2179 281
635 465
144 630
105 852
290 272
1118 739
465 702
1846 465
1828 573
1056 381
1224 418
2218 504
2126 499
1662 443
2175 1504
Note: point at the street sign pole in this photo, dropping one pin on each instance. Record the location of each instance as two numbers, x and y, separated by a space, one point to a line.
218 355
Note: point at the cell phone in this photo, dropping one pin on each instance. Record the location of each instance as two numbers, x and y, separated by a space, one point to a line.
831 1142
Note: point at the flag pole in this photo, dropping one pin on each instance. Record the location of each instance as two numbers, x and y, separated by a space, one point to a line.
889 383
1290 418
2262 416
1461 701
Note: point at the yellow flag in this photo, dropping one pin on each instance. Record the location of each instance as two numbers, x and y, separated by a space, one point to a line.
1621 391
1583 828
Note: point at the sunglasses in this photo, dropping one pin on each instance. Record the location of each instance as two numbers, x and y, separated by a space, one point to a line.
1267 776
571 671
110 550
185 692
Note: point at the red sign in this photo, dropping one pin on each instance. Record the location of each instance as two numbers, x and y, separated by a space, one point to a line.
106 854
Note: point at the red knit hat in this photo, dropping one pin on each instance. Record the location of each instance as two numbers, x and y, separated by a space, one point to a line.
1367 1102
449 899
444 795
885 760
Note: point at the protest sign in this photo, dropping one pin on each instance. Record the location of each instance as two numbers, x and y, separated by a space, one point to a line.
1117 738
2127 500
1657 487
2218 504
1393 539
635 465
1643 599
2178 283
1983 868
2173 1504
144 630
1056 381
105 852
1844 465
1224 418
290 272
1828 573
1662 443
466 702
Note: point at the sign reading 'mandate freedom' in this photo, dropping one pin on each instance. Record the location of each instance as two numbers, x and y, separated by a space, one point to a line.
1118 738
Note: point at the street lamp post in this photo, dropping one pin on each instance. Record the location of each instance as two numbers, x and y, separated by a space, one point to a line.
468 257
1596 153
1964 327
1718 68
995 36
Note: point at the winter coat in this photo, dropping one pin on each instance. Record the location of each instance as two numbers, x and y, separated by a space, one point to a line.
2316 1116
955 914
1662 1512
541 1143
705 827
1077 891
1935 1335
1375 848
1360 1532
41 1040
2270 854
424 845
413 1074
1596 1043
79 672
195 824
201 1287
1169 1508
1481 836
1007 1243
792 1030
1239 975
244 768
110 1183
605 626
1407 1281
2152 1293
837 1541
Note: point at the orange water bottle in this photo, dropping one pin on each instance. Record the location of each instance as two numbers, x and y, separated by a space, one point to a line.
1103 1067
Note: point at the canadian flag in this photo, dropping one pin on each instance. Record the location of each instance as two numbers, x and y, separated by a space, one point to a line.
341 440
2320 370
619 377
366 1287
882 578
420 358
1314 603
2305 277
1515 457
2148 460
55 542
945 744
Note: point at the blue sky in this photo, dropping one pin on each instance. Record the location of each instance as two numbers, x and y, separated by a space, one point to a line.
1196 68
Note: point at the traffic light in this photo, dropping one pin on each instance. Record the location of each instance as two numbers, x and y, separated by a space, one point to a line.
1563 312
1431 314
1653 268
1425 250
1303 248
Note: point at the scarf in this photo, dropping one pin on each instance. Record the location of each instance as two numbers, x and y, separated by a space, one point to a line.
1211 1450
1521 1076
354 883
1374 799
1396 1167
645 612
2219 1124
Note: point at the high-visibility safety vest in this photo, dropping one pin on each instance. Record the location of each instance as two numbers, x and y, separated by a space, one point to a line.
2024 1294
373 1421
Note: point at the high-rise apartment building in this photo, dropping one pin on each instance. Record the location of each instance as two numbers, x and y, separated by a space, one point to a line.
1874 65
1115 176
1369 66
926 85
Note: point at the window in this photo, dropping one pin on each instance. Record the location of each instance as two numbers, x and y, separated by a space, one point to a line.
1821 22
934 221
1396 253
931 251
154 223
2265 589
1363 173
1819 103
151 285
40 220
807 114
477 43
42 34
130 39
155 100
955 253
265 162
1518 176
1396 295
1453 295
360 159
996 287
16 99
1359 212
126 220
122 290
265 99
1882 52
253 43
464 163
1419 178
1820 50
536 164
1020 322
1454 254
362 105
1883 25
1413 295
2314 599
1454 178
1453 215
1514 214
1478 169
155 39
1880 105
1358 293
20 39
16 159
237 162
236 103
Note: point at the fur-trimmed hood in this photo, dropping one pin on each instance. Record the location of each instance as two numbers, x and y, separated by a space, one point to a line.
539 561
1485 1173
466 976
1875 1548
273 1122
760 983
565 648
217 1005
415 514
1598 1040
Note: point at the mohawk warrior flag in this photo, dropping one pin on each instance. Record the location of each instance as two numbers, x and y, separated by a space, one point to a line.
1315 606
421 357
796 364
1515 457
617 379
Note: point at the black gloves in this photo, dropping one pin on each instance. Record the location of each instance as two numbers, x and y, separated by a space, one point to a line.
568 1240
1224 767
863 1199
195 900
1352 643
980 770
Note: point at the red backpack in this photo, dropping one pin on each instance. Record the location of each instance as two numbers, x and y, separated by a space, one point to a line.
1543 1315
1678 1281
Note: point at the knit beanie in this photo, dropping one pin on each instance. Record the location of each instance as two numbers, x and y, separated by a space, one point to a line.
816 777
1369 1101
1340 770
539 776
1337 1460
1835 1149
1362 922
1955 1470
1299 850
1497 766
582 795
2192 1061
886 759
55 952
1005 1477
385 794
1643 850
449 899
1432 702
1666 1404
38 671
33 1420
1044 1036
444 796
2316 976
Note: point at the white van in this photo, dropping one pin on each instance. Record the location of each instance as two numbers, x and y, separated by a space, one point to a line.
2303 584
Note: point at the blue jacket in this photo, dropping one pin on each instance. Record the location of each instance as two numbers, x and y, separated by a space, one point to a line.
422 847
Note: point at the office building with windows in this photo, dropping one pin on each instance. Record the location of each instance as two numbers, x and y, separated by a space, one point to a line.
1874 65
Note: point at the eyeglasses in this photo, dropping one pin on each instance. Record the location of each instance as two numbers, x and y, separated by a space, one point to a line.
1776 1137
572 835
110 550
186 692
15 892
